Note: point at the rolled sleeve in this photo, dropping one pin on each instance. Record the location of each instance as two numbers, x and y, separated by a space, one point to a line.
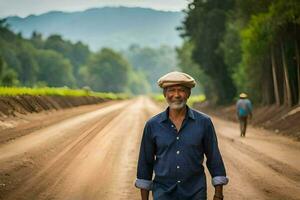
143 184
146 159
219 180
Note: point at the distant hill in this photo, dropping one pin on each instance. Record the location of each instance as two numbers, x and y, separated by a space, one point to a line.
116 27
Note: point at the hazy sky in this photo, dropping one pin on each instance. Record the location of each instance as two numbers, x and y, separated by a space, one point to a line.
26 7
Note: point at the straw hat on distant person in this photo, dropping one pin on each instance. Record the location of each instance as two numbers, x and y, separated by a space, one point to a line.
176 78
243 95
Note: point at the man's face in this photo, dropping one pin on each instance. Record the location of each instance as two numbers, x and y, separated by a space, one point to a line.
176 96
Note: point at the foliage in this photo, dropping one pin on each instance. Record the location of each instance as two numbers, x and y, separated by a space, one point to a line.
158 97
205 27
54 69
107 71
56 62
246 46
64 91
152 62
78 53
138 83
187 65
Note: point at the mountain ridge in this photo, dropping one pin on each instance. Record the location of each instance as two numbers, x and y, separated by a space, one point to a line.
115 27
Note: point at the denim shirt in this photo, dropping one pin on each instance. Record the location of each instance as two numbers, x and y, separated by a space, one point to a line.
176 157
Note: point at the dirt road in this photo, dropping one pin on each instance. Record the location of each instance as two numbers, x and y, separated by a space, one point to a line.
90 153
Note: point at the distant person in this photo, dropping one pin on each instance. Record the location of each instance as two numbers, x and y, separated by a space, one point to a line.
244 110
173 146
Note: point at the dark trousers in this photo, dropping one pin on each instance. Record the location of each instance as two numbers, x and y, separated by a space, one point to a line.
159 194
243 125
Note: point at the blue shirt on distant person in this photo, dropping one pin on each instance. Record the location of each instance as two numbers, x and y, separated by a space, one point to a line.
243 107
177 157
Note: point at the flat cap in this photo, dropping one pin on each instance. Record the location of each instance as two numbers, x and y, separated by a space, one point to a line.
176 78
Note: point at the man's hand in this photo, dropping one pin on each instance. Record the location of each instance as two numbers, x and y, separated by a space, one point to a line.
218 192
237 117
218 197
144 194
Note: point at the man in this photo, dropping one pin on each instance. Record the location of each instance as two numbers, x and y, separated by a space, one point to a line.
173 146
243 110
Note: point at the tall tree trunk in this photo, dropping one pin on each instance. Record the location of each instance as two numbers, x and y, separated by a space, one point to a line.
288 100
275 81
280 74
298 69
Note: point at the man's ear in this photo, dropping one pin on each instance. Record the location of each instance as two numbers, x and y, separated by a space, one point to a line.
164 91
188 93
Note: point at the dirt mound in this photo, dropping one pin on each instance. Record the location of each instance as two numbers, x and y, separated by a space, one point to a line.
282 120
12 106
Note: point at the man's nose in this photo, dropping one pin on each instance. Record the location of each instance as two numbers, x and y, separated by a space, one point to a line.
177 94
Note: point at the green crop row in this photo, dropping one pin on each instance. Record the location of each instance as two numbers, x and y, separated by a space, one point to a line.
64 91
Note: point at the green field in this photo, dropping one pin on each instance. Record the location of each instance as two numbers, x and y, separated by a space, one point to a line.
64 91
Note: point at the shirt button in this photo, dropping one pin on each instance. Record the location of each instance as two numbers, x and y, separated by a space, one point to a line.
178 152
178 167
177 138
178 181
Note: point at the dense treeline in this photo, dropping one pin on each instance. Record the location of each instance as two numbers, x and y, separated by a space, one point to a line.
57 62
22 63
245 46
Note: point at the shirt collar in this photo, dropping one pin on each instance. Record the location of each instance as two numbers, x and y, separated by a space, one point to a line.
165 114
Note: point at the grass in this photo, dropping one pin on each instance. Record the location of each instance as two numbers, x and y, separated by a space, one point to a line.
63 91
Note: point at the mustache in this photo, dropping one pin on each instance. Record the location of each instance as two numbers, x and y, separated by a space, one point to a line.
182 101
178 101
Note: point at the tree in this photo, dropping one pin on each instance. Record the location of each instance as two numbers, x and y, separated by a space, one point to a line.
270 54
138 83
8 77
186 64
55 70
77 53
205 26
29 66
37 40
107 71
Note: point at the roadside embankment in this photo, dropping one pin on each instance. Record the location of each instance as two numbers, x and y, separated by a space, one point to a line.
24 104
281 120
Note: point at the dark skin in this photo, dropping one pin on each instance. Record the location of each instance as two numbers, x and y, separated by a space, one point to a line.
175 96
144 194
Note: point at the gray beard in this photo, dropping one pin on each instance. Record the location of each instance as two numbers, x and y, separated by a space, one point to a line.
176 105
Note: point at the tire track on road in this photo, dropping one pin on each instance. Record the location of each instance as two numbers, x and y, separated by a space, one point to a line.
278 167
267 178
53 171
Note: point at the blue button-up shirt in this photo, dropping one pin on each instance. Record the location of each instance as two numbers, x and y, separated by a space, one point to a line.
176 157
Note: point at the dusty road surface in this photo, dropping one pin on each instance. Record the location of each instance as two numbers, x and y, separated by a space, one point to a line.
90 153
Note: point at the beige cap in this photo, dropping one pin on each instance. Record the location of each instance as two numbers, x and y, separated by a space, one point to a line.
176 78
